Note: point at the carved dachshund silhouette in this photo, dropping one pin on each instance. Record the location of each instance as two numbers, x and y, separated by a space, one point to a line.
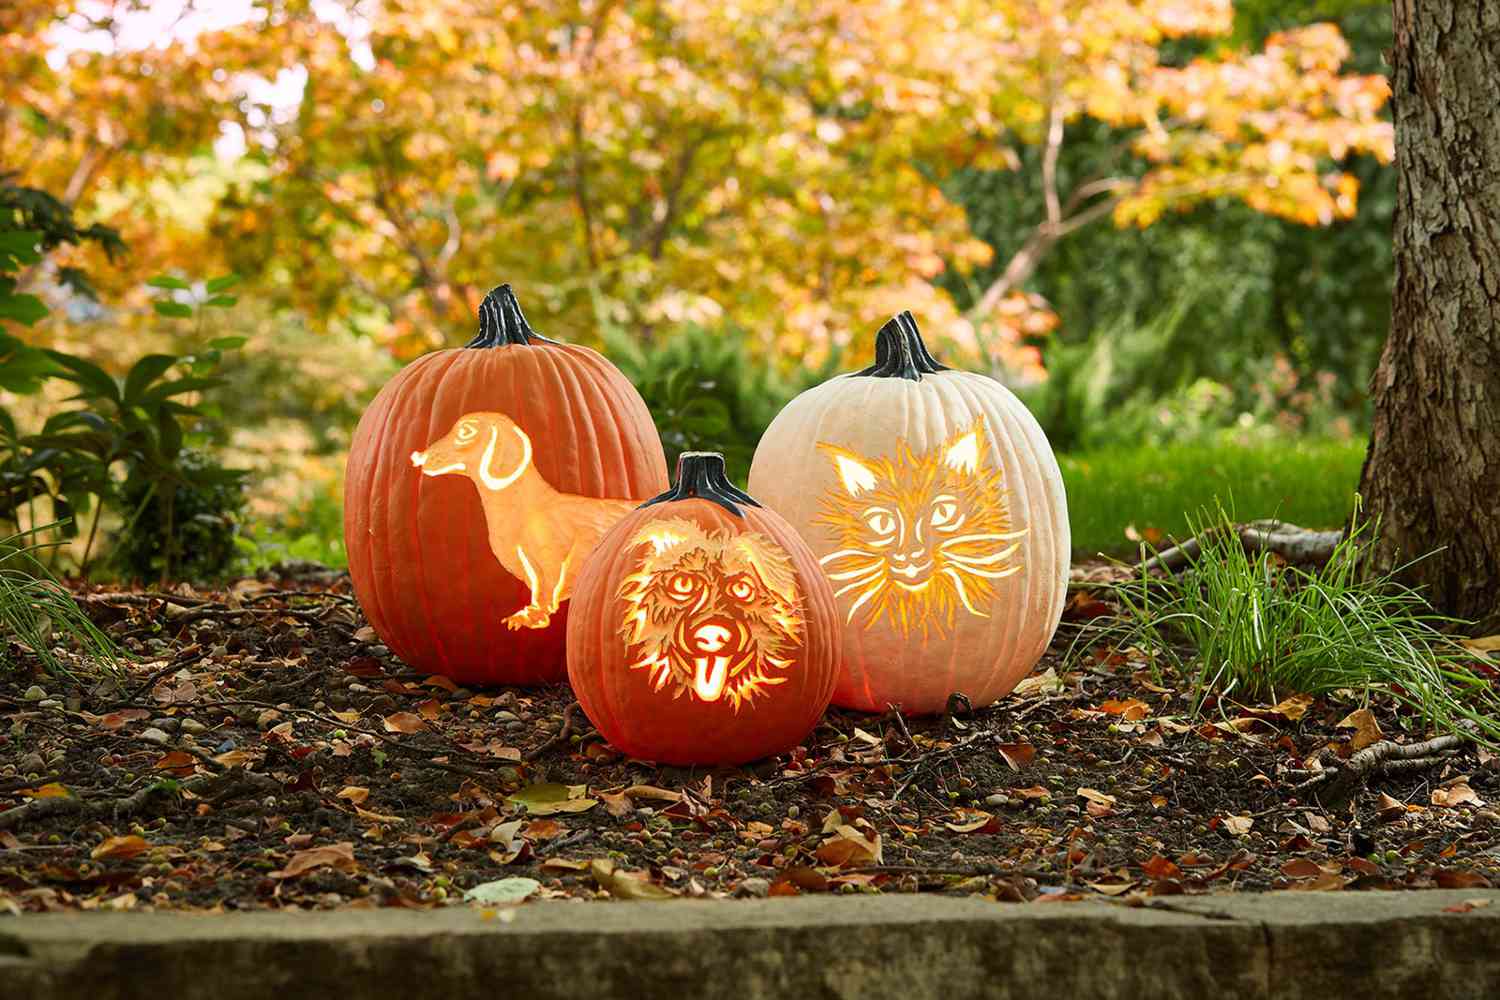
539 534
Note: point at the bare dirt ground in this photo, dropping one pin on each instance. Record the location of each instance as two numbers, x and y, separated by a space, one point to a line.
263 750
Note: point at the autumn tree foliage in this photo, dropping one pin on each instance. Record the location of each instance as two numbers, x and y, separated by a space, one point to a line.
650 164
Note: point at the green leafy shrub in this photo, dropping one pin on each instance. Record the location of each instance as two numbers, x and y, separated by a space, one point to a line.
706 391
184 525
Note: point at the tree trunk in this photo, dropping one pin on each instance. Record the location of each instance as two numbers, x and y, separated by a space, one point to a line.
1432 475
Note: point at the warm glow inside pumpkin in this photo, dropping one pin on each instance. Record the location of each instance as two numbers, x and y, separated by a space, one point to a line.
701 630
937 511
478 482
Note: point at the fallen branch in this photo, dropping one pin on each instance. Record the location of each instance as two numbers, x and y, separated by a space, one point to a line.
1378 759
1294 544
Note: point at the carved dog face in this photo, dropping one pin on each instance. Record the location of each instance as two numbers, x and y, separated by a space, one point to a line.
487 447
714 615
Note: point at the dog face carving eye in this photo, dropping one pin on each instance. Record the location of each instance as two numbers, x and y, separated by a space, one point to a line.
740 589
682 586
466 432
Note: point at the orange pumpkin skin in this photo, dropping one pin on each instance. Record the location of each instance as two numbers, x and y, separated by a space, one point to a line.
769 690
420 546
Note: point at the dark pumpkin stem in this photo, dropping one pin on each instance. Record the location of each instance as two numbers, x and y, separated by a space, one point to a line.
700 474
900 352
501 322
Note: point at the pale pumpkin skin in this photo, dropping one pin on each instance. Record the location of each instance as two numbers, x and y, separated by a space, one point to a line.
982 655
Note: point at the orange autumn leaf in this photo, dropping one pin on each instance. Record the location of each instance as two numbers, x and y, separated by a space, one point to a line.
403 722
120 848
51 790
1129 709
340 855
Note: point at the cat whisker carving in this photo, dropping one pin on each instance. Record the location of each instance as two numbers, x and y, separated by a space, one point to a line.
920 537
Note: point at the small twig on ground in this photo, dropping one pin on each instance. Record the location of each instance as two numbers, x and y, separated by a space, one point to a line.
560 737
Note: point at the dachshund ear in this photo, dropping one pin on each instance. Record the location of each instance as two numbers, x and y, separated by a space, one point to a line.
494 480
770 564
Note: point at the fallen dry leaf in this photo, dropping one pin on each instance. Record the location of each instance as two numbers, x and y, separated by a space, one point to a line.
549 798
114 720
1467 905
1390 809
340 855
1454 878
626 885
51 790
1112 888
1017 755
121 847
1293 708
1457 794
1482 644
1129 709
1301 868
1238 825
971 821
353 793
1366 728
178 763
404 722
1159 867
851 847
1034 792
1097 802
1037 685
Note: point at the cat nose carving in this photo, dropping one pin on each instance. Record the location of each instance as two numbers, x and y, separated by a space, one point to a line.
710 637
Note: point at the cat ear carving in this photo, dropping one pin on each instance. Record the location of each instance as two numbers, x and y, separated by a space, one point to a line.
962 453
856 476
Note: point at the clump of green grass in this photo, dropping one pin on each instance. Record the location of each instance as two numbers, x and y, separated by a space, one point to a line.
1247 627
1310 483
35 607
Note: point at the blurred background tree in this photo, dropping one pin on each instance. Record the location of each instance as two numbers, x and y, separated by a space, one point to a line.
1163 221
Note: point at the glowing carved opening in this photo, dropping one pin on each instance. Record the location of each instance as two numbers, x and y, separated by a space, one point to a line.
716 616
538 534
917 537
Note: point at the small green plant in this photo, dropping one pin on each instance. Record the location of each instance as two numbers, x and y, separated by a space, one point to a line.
34 608
1246 626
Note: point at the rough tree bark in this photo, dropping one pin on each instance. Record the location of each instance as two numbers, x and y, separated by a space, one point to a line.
1432 475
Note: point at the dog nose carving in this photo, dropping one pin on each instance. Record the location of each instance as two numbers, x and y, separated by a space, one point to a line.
711 637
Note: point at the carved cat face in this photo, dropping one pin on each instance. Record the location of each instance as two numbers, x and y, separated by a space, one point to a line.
918 538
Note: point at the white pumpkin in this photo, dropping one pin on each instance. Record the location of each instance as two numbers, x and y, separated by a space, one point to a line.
936 508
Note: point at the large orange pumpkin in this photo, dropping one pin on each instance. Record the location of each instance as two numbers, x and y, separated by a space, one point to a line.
478 481
937 510
702 631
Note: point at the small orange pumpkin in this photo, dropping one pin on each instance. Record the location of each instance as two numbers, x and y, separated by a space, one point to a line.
478 481
702 629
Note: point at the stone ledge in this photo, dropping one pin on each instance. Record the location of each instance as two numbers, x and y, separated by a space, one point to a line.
1281 945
